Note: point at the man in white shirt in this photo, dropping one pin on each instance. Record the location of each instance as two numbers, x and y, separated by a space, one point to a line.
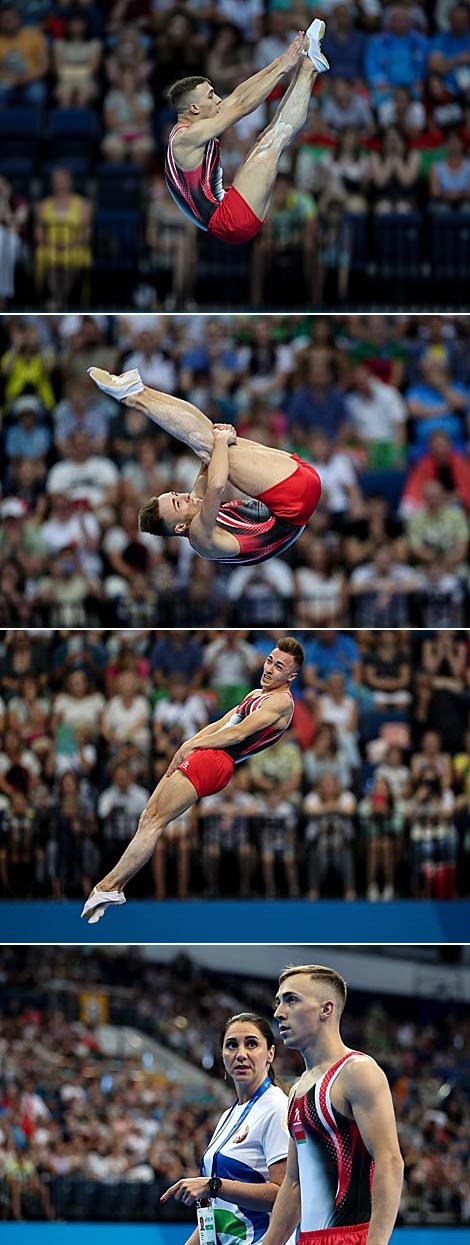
84 476
376 411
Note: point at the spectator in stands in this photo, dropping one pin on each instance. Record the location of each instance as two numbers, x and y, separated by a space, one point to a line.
229 59
129 51
317 402
73 859
80 707
66 526
350 173
328 755
396 57
152 359
330 651
376 414
437 402
249 20
432 762
364 534
288 237
280 765
344 44
339 709
329 837
320 587
387 671
381 815
80 411
19 848
63 233
27 365
406 114
230 665
23 1180
441 596
449 178
20 540
334 251
76 59
119 809
276 822
181 48
174 850
173 654
27 435
395 772
226 823
23 60
21 658
394 172
29 714
172 245
441 527
128 551
126 716
443 463
381 590
433 839
86 477
450 51
345 108
128 116
180 714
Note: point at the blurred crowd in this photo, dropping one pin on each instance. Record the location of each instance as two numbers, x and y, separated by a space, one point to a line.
86 1136
368 794
387 135
379 404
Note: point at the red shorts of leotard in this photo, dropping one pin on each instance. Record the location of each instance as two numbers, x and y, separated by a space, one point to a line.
347 1235
295 498
209 770
234 220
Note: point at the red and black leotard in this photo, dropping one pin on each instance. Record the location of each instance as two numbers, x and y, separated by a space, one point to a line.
198 192
264 738
336 1169
260 533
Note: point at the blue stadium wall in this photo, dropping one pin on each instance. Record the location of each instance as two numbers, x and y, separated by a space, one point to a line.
174 1234
239 921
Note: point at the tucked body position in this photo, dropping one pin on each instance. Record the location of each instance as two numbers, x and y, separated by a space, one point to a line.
283 489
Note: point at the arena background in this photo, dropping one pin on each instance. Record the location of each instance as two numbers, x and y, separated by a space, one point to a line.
379 404
362 214
359 815
112 1080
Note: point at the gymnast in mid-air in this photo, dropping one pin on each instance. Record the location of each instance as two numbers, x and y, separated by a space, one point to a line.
283 490
193 169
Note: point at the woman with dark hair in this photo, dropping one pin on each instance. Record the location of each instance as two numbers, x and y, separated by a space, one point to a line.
395 173
382 819
245 1160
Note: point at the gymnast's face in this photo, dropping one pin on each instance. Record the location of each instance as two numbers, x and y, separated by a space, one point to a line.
279 669
205 101
178 509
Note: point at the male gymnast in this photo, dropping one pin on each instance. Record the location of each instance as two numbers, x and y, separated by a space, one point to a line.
344 1167
204 765
193 170
284 490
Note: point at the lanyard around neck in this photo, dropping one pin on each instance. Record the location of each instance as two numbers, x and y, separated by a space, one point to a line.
220 1130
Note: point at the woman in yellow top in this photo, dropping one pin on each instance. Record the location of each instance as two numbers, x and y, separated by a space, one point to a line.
63 230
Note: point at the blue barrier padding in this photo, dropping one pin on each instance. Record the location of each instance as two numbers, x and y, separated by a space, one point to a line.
239 921
174 1234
